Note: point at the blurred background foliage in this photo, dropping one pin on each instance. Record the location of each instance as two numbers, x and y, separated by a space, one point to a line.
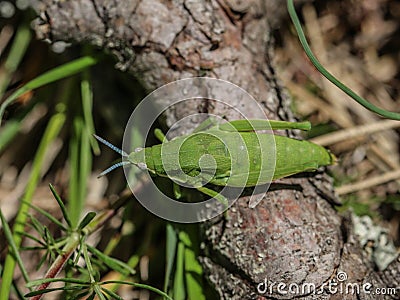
358 42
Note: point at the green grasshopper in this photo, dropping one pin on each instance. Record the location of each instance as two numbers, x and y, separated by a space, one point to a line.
228 165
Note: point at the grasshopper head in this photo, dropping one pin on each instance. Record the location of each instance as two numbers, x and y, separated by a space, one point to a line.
138 158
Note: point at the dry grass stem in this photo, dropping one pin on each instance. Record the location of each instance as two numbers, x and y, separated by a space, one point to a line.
368 183
354 132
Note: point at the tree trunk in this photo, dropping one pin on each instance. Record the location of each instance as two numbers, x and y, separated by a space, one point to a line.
294 236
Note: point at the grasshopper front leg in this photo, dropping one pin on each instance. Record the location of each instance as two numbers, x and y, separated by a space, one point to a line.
162 138
160 135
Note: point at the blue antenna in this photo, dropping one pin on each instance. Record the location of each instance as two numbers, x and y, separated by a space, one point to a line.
116 149
114 166
111 146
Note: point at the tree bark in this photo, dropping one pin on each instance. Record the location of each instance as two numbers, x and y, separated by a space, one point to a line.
294 235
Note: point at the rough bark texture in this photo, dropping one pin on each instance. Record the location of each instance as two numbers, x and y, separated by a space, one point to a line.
294 235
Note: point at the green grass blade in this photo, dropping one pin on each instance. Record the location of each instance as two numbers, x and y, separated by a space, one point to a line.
48 216
86 220
74 203
113 263
55 74
33 238
193 269
46 291
99 293
138 285
80 249
18 293
13 248
38 282
84 156
132 264
42 292
92 273
61 205
87 104
112 244
36 225
179 279
17 52
8 132
80 166
85 166
88 263
53 128
171 242
133 261
111 294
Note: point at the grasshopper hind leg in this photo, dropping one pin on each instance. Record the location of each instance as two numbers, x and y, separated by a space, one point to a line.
254 125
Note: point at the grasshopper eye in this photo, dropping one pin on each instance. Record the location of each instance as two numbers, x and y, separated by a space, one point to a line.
142 166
